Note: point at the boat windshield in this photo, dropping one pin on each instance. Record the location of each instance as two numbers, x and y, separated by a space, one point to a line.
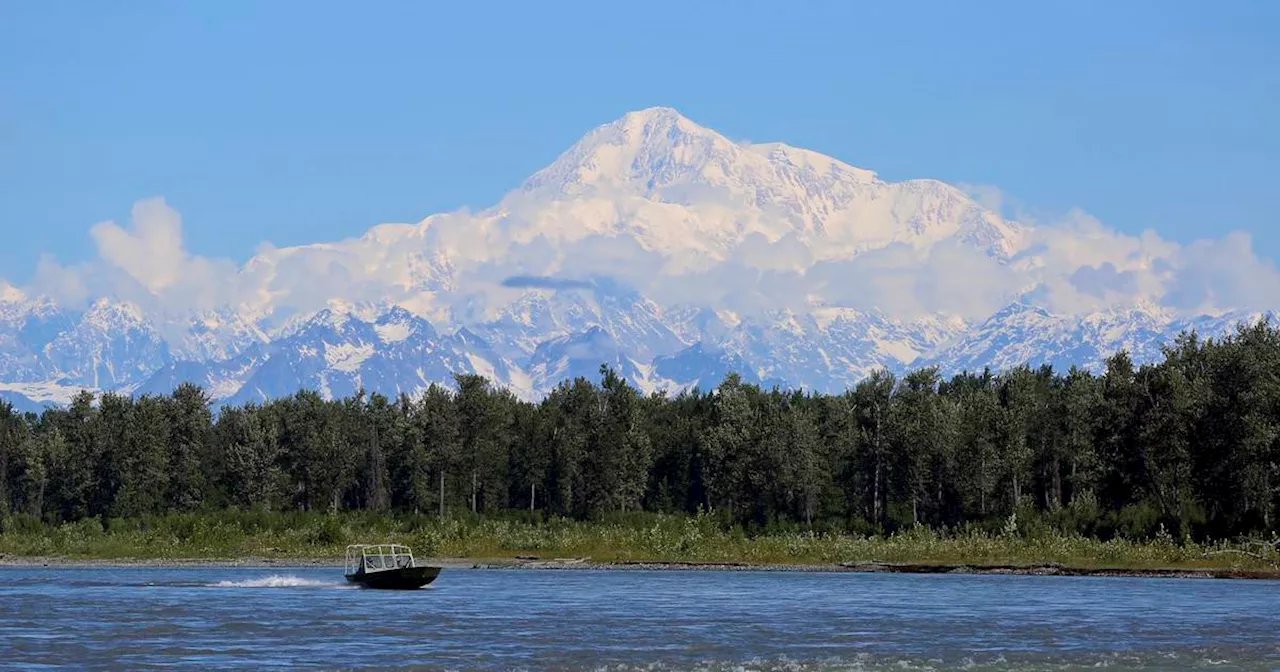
377 558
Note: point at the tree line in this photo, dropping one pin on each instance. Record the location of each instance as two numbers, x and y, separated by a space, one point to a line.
1190 445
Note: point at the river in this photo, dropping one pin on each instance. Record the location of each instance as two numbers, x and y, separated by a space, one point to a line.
235 618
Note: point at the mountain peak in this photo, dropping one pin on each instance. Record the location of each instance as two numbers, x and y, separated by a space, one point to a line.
650 115
652 123
640 152
11 294
694 196
334 316
396 314
112 312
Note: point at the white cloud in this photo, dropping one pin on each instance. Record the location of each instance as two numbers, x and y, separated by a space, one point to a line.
145 263
67 286
788 253
1214 275
151 250
909 282
988 196
1081 265
457 263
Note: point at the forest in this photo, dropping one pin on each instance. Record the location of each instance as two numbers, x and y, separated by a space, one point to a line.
1188 447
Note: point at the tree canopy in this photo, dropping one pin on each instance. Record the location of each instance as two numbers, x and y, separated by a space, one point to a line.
1190 445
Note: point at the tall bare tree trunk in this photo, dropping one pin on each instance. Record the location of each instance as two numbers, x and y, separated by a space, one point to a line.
982 486
875 494
442 493
1073 482
1057 482
379 498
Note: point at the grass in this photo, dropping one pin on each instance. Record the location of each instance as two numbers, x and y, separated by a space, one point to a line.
639 538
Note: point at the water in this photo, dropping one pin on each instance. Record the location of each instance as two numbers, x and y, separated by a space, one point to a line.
145 618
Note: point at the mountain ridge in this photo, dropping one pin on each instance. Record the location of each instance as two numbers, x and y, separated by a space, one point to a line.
653 244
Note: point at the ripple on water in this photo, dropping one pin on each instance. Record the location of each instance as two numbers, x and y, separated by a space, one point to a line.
233 618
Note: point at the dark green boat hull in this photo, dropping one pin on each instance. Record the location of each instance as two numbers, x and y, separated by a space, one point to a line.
404 578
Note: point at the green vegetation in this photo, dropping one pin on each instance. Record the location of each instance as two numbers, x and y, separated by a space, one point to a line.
1159 464
634 537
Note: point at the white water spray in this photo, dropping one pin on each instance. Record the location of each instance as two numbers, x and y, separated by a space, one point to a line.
278 581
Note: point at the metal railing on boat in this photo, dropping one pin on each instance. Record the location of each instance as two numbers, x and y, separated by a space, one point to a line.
377 558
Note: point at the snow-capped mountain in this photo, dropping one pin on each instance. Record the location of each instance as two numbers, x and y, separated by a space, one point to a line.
26 328
654 245
214 334
111 346
1025 334
581 355
659 166
339 354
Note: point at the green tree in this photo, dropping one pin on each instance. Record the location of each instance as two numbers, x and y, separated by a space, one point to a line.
484 425
248 443
617 465
567 414
29 474
805 472
385 431
921 436
728 443
874 397
439 422
14 437
190 426
142 452
977 438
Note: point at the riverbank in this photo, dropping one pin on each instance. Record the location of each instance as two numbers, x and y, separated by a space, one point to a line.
570 564
239 539
898 568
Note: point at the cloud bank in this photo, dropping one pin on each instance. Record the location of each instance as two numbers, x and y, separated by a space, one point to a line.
473 264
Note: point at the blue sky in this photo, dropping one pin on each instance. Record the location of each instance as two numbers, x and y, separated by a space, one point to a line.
294 122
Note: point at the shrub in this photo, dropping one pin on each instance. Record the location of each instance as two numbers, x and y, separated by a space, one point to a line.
329 531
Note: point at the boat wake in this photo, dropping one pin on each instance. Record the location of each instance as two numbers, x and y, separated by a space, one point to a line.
277 581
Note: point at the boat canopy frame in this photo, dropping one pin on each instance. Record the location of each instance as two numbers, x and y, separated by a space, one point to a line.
370 558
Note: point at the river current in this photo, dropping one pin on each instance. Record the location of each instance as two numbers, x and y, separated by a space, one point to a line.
236 618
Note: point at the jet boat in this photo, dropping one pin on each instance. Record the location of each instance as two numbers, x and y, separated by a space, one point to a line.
386 566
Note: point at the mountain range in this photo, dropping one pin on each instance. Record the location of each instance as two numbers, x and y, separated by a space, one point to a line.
654 245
